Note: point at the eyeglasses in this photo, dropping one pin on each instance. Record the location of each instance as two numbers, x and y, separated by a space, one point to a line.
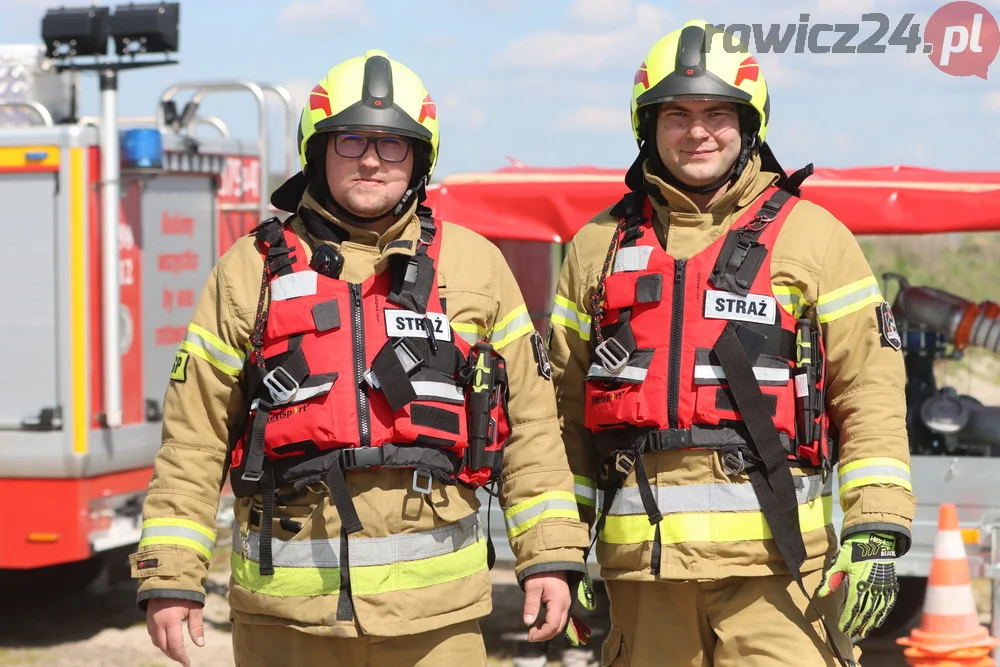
389 149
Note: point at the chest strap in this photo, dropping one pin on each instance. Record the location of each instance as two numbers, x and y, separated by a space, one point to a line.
742 255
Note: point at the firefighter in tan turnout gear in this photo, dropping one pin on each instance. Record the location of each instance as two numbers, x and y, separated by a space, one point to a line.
717 346
358 371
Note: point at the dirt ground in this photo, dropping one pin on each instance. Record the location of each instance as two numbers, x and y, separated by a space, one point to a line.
105 629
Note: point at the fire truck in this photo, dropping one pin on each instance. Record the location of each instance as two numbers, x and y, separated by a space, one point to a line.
106 257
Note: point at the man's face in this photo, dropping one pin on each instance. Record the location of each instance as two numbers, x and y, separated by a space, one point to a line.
698 141
368 182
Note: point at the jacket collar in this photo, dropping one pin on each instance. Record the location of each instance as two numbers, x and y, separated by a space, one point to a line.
320 226
673 204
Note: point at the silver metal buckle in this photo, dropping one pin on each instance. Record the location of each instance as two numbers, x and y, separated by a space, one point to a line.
416 482
613 358
625 461
733 467
281 392
369 377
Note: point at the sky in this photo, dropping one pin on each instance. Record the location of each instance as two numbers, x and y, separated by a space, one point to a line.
548 82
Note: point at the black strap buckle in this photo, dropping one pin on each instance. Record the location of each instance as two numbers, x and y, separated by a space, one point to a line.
669 439
362 457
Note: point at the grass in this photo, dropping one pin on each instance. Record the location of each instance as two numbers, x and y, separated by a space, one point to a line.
965 265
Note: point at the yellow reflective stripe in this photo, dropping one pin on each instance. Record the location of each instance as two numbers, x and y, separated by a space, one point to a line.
365 580
585 490
790 298
470 333
180 523
177 541
844 469
562 321
216 341
710 527
79 421
565 313
201 353
874 470
870 480
551 505
178 532
848 299
517 323
206 345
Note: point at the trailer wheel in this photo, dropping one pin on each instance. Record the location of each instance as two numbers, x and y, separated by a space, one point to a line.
909 605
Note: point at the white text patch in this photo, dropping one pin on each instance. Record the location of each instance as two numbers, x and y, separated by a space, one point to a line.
408 324
750 308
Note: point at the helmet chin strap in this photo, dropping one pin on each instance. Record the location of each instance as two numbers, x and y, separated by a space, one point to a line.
336 208
417 190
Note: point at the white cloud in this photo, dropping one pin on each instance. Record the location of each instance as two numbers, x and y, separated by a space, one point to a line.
602 119
313 17
455 109
473 118
991 101
857 7
299 90
593 49
601 13
776 71
440 40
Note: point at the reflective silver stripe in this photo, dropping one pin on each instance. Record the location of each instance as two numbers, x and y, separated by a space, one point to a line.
291 285
203 343
365 551
441 390
470 337
584 492
632 259
176 531
303 394
627 373
500 335
872 471
762 374
573 316
828 307
712 497
515 520
792 299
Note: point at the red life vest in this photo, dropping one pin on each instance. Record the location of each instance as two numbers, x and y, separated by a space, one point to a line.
364 376
669 333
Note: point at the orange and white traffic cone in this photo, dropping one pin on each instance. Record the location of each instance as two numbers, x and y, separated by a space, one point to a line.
949 634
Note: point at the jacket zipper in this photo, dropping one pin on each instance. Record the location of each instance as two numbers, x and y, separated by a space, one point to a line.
676 335
357 313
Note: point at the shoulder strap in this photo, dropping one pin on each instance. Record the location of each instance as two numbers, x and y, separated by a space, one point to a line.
742 255
413 277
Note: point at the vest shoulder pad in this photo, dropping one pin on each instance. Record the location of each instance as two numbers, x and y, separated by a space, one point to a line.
268 232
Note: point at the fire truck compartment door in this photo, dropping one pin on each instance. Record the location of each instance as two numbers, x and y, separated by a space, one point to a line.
28 342
178 223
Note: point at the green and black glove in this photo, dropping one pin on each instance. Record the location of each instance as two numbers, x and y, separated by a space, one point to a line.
868 562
